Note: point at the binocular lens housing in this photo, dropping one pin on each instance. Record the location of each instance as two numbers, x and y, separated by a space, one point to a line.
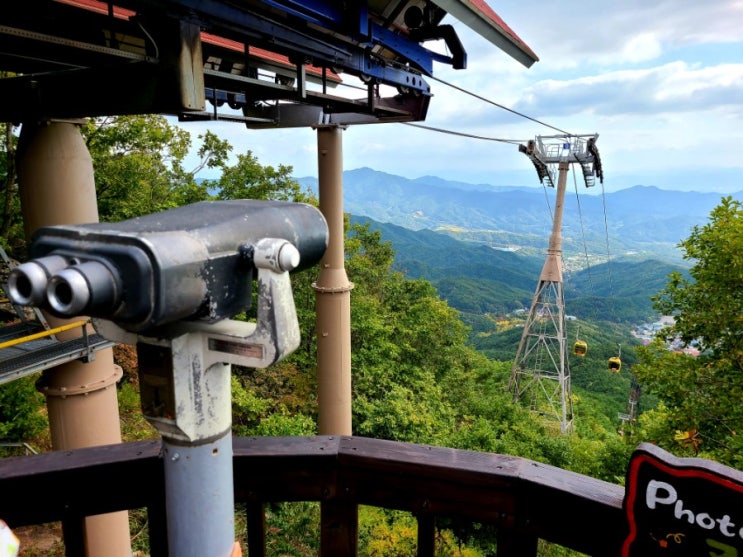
87 287
195 262
27 283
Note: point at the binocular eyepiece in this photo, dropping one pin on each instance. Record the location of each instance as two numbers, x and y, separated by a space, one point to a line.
27 283
195 262
65 285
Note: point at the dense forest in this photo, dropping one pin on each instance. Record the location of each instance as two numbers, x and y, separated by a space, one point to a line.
432 348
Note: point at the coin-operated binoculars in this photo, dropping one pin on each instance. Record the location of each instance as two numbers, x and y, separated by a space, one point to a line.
170 282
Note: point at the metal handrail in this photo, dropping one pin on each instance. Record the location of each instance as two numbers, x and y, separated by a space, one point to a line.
26 447
42 334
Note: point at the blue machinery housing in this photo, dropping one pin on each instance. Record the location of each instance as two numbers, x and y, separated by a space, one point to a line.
271 61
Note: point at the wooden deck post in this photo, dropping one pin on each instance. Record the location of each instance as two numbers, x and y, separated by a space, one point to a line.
339 528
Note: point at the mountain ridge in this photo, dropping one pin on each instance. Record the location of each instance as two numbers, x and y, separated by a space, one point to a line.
640 221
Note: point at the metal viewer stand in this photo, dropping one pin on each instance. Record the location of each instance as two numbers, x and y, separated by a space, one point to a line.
194 266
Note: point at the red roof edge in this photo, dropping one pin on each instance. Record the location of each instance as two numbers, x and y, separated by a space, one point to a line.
483 6
263 54
101 7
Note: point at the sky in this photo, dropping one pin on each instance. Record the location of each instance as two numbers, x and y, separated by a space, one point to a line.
661 82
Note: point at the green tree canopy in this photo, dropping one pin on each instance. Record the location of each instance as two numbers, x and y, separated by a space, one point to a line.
11 223
248 179
703 394
708 306
138 164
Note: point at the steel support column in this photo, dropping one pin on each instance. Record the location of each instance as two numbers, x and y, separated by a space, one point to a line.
333 294
56 183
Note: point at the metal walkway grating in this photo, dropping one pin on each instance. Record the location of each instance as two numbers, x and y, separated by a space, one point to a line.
37 355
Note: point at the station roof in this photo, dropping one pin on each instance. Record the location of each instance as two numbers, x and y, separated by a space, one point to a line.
481 18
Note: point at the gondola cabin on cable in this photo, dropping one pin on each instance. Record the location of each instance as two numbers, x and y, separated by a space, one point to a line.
615 362
580 348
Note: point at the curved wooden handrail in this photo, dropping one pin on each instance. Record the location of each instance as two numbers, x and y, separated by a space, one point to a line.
523 499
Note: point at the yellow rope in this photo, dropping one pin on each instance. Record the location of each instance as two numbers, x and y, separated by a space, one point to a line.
42 334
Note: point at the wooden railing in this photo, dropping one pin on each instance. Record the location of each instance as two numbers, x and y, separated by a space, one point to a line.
523 499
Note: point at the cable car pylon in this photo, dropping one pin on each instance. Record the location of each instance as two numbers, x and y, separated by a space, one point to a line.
541 372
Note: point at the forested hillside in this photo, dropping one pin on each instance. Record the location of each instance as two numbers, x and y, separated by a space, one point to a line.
478 280
488 288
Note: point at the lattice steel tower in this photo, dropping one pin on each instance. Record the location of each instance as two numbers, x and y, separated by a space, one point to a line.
541 371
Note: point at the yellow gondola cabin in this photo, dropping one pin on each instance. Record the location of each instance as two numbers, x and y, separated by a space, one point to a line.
580 348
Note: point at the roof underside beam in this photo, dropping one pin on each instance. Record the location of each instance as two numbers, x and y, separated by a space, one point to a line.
78 58
478 16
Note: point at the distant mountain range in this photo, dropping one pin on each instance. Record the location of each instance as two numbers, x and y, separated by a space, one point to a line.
476 279
483 246
640 222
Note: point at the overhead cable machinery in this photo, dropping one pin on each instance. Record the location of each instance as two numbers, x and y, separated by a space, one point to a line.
275 62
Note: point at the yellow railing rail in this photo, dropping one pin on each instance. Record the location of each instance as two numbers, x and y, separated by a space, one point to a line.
42 334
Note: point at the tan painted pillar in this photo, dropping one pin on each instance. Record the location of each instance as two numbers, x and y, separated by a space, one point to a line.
333 294
56 183
552 269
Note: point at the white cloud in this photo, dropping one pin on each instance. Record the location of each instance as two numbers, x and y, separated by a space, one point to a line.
672 87
661 82
571 33
642 47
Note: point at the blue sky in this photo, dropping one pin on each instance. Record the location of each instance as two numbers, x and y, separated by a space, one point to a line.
661 83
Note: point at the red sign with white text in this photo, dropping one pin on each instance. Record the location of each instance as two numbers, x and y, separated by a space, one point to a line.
682 506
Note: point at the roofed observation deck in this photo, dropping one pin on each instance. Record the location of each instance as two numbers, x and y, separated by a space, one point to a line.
276 63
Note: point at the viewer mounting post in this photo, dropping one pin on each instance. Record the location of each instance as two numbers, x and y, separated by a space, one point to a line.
170 283
541 371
